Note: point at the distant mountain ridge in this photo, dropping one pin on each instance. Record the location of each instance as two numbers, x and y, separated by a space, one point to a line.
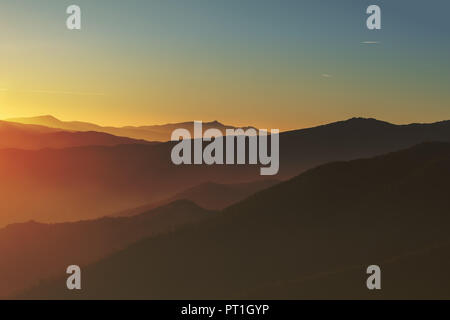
352 139
92 181
35 137
160 133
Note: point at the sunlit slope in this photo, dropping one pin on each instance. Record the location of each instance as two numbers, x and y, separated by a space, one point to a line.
149 133
35 137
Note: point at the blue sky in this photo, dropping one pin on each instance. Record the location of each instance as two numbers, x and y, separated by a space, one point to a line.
284 63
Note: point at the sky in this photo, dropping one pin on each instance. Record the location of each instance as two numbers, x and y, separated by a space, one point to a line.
282 64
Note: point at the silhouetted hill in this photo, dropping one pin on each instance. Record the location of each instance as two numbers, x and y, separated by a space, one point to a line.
59 185
216 196
33 251
209 195
52 122
421 274
149 133
352 139
34 137
328 219
89 182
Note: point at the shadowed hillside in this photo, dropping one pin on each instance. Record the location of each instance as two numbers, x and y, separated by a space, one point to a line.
89 182
210 195
218 196
32 251
58 185
328 220
421 274
352 139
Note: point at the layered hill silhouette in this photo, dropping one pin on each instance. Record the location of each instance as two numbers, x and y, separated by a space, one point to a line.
92 181
33 251
352 139
328 221
34 137
58 185
149 133
209 195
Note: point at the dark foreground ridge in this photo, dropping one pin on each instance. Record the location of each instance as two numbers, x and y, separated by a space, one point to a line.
310 237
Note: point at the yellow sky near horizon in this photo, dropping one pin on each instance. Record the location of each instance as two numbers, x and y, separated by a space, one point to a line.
176 62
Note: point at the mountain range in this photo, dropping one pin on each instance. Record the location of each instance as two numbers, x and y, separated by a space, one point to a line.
35 137
149 133
311 236
87 182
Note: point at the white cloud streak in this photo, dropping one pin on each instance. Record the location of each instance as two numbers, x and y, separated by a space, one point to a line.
371 42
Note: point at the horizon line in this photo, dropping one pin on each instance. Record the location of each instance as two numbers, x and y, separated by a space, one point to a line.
322 123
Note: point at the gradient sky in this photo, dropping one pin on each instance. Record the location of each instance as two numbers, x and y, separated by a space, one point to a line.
270 63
